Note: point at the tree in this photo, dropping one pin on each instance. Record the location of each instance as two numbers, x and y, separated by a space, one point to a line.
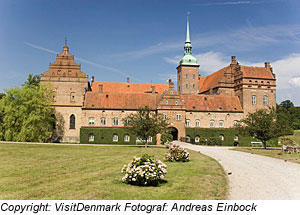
1 95
25 113
286 104
146 123
33 80
263 125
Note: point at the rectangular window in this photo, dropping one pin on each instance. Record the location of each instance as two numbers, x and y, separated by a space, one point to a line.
103 121
187 123
254 100
194 76
164 116
178 116
116 121
91 121
186 75
265 100
197 124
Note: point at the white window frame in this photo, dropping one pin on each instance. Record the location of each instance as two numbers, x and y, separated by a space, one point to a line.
126 138
115 121
187 123
235 123
197 139
166 101
265 100
197 123
236 137
91 137
253 99
176 102
164 116
221 124
115 138
211 123
178 117
91 121
149 140
221 136
103 121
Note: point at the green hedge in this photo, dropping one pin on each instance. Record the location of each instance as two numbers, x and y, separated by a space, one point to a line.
211 133
104 136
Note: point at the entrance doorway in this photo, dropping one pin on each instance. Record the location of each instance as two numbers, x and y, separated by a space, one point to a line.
174 133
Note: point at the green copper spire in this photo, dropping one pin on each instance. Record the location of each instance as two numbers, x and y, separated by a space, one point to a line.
188 59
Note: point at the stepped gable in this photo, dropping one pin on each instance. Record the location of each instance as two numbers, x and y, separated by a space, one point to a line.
256 72
116 87
212 81
64 66
212 103
129 101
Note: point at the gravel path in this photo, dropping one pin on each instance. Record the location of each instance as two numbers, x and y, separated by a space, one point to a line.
253 176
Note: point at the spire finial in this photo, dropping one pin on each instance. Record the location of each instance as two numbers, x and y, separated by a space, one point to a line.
65 41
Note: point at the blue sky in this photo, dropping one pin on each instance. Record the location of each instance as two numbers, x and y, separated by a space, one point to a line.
144 39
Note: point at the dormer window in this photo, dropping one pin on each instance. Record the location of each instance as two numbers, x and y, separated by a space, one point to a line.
166 102
171 92
176 102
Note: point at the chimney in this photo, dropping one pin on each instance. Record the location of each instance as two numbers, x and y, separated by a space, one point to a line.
153 89
171 84
233 60
128 80
267 65
100 88
93 79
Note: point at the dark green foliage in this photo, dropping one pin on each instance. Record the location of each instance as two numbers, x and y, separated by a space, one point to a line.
2 95
166 137
146 123
288 114
211 136
263 125
105 135
33 80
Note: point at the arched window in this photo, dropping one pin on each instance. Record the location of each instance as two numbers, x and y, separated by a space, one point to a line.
188 138
72 121
115 138
236 137
235 123
187 123
197 139
126 138
221 124
197 123
212 123
116 121
91 137
103 121
91 121
222 137
265 100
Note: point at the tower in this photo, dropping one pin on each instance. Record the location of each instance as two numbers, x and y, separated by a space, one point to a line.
69 84
188 69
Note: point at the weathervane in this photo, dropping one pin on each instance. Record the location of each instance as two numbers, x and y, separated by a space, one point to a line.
187 15
65 41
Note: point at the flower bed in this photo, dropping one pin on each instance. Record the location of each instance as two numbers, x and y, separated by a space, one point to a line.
177 153
144 171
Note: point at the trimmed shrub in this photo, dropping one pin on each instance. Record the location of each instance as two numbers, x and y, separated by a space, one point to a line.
144 171
105 136
177 153
229 137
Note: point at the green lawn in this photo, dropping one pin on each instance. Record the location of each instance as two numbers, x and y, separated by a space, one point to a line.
272 153
30 171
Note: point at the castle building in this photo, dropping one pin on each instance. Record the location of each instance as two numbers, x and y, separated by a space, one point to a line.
93 111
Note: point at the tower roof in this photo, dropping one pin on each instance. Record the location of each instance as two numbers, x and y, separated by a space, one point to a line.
188 58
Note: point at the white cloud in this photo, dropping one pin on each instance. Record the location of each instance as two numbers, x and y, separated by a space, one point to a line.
295 81
229 3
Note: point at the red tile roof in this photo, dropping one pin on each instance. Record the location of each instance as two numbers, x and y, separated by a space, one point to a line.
256 72
212 80
115 87
212 103
121 100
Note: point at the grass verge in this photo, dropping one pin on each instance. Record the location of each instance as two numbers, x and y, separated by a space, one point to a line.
30 171
272 153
